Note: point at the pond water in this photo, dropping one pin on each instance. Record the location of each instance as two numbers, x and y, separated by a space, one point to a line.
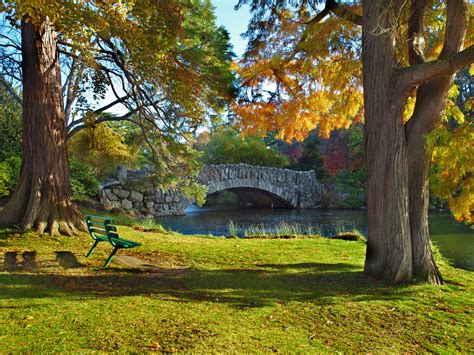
455 240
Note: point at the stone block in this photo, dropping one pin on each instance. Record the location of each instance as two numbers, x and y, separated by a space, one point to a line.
123 193
127 204
111 196
135 196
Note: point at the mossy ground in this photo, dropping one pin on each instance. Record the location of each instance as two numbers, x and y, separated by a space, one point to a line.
212 294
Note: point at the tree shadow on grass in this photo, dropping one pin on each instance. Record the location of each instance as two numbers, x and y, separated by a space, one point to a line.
264 285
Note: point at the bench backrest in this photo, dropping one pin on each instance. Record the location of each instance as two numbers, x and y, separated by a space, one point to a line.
102 227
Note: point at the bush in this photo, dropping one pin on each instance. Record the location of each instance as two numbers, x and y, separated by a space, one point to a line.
102 148
84 183
10 126
9 174
227 147
351 185
311 158
352 236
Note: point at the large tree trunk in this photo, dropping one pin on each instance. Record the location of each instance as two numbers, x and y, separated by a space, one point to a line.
389 255
430 101
42 197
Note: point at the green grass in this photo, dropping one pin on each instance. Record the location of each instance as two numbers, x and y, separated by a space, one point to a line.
220 295
281 230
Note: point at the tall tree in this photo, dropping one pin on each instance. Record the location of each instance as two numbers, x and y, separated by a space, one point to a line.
312 55
164 62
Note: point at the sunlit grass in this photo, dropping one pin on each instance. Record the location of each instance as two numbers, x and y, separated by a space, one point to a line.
291 230
218 295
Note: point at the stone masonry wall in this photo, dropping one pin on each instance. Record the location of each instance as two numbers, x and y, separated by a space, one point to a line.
146 203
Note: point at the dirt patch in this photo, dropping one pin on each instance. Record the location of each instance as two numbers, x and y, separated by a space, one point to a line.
136 263
349 236
29 259
148 230
67 260
10 261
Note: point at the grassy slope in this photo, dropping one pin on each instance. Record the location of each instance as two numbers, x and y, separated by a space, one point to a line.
223 295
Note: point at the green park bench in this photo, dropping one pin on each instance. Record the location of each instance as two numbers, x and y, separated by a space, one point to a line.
102 229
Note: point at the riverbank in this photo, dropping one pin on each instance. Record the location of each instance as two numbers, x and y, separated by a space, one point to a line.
454 240
205 294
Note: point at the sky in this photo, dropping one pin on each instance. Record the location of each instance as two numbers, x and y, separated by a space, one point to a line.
234 21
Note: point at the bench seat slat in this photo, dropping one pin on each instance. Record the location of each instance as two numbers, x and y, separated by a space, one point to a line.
102 238
93 223
94 229
125 243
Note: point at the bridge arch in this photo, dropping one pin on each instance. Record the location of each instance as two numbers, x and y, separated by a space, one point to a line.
258 196
264 186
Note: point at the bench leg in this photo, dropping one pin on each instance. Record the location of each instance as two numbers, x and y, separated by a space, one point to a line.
92 249
110 257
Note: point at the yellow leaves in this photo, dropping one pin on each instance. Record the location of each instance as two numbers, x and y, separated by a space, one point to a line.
453 168
312 93
409 108
469 104
101 147
452 110
469 39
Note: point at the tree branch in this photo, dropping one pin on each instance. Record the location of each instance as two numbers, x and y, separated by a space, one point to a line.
346 14
456 25
113 103
416 41
420 73
102 119
11 90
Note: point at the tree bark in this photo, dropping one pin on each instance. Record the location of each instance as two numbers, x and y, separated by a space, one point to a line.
42 197
389 255
431 98
430 101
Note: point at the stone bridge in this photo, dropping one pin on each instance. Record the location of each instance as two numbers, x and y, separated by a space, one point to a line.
264 186
260 186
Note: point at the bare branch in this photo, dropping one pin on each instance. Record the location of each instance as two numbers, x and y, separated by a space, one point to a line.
420 73
102 119
113 103
416 41
346 14
456 25
431 95
10 89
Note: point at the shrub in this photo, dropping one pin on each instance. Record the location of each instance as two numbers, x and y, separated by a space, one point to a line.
84 183
351 185
9 174
352 236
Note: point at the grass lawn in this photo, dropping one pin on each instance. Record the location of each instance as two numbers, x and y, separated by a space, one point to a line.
211 294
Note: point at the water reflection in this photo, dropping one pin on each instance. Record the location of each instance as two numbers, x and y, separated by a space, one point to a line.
455 240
